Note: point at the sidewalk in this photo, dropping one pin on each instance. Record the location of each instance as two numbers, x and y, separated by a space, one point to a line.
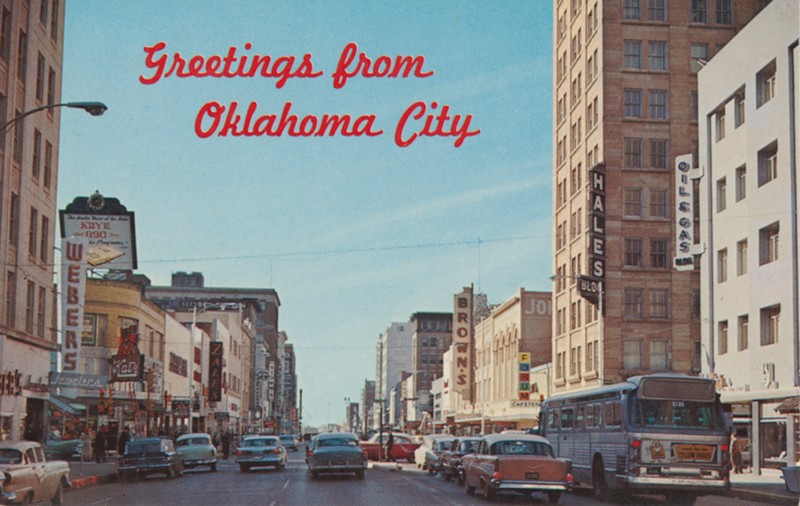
85 474
768 488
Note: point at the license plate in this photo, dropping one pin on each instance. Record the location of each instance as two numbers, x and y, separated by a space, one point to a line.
694 453
531 476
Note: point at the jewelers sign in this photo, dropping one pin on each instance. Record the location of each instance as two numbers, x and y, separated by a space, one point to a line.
73 287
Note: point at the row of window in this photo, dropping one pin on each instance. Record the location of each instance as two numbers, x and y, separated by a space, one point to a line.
770 318
767 171
35 306
592 416
38 231
46 11
576 312
768 252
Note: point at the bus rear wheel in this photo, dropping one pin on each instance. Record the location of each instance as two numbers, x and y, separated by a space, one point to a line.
599 487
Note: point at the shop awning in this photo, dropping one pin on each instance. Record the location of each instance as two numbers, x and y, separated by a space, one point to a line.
65 406
790 405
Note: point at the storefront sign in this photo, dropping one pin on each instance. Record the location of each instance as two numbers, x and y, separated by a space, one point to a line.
597 221
462 343
73 286
684 214
215 372
524 377
74 380
126 367
181 406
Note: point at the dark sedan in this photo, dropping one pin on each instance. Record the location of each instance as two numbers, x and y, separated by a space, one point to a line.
336 452
149 455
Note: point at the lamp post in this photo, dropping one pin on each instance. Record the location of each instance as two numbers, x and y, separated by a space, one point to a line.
600 297
93 108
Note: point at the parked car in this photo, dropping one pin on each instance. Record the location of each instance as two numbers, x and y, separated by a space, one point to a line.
197 450
516 463
63 449
149 455
336 452
403 446
260 451
288 441
29 477
428 454
450 465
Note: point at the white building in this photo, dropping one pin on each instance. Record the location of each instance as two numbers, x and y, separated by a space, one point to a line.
748 116
393 356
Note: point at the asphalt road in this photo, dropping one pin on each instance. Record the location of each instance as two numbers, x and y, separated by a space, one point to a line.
294 486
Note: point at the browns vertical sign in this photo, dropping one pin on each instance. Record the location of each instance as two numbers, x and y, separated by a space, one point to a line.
215 372
73 287
462 343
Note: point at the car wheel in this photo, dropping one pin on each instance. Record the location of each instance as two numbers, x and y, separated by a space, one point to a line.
599 487
681 498
314 475
430 470
470 490
446 476
58 499
488 491
213 467
169 474
280 466
179 471
244 468
553 497
360 474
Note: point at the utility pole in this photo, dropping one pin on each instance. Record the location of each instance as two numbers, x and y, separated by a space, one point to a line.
380 424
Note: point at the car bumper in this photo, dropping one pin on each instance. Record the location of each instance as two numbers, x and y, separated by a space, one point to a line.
268 461
531 486
199 462
699 485
147 468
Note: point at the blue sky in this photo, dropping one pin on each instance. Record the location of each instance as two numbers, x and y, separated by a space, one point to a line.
352 232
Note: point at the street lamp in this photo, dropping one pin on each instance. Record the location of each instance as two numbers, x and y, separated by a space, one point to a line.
600 297
93 108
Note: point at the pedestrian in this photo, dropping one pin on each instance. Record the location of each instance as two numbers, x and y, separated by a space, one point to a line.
123 440
100 445
226 443
86 442
736 453
389 446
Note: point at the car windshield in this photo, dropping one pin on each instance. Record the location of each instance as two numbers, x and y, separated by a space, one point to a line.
466 446
134 447
287 439
522 448
261 442
339 441
193 441
9 456
443 445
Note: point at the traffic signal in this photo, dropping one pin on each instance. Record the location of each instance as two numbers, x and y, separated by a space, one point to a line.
101 408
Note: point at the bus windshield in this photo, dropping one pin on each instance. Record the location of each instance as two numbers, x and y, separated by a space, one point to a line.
675 414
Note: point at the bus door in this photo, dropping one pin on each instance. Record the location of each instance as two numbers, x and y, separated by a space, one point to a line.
566 436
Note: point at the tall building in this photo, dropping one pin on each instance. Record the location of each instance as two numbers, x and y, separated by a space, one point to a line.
31 47
367 401
393 356
748 154
625 105
431 337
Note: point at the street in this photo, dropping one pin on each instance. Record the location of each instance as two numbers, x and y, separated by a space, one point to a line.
293 486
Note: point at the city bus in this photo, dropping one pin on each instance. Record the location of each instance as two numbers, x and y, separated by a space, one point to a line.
653 434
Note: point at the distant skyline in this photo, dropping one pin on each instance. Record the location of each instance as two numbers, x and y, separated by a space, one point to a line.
353 231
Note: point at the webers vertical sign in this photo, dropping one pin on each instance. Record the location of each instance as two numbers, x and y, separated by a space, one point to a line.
215 372
684 214
73 288
462 343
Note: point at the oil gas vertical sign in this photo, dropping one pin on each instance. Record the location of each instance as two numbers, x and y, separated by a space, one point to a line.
684 213
73 288
462 342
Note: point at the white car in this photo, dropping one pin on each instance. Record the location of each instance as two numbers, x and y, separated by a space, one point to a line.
197 450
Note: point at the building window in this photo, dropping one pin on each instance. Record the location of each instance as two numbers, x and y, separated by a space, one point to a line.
11 299
741 183
48 164
659 203
722 189
633 253
659 303
765 84
33 232
719 120
724 12
658 253
13 220
699 56
658 153
768 243
741 257
631 10
30 307
693 107
43 12
19 129
632 54
659 355
743 329
657 55
699 11
633 303
770 321
722 265
739 109
51 86
632 355
657 10
40 77
768 164
5 35
40 312
37 154
632 202
22 56
722 337
633 153
657 104
632 107
54 22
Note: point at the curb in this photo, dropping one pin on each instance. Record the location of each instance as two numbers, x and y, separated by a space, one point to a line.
90 481
765 497
393 467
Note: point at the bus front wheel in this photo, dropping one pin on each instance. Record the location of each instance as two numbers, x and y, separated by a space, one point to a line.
681 498
598 478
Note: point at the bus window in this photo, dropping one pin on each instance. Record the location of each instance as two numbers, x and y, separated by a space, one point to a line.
579 419
592 416
613 414
567 418
552 420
